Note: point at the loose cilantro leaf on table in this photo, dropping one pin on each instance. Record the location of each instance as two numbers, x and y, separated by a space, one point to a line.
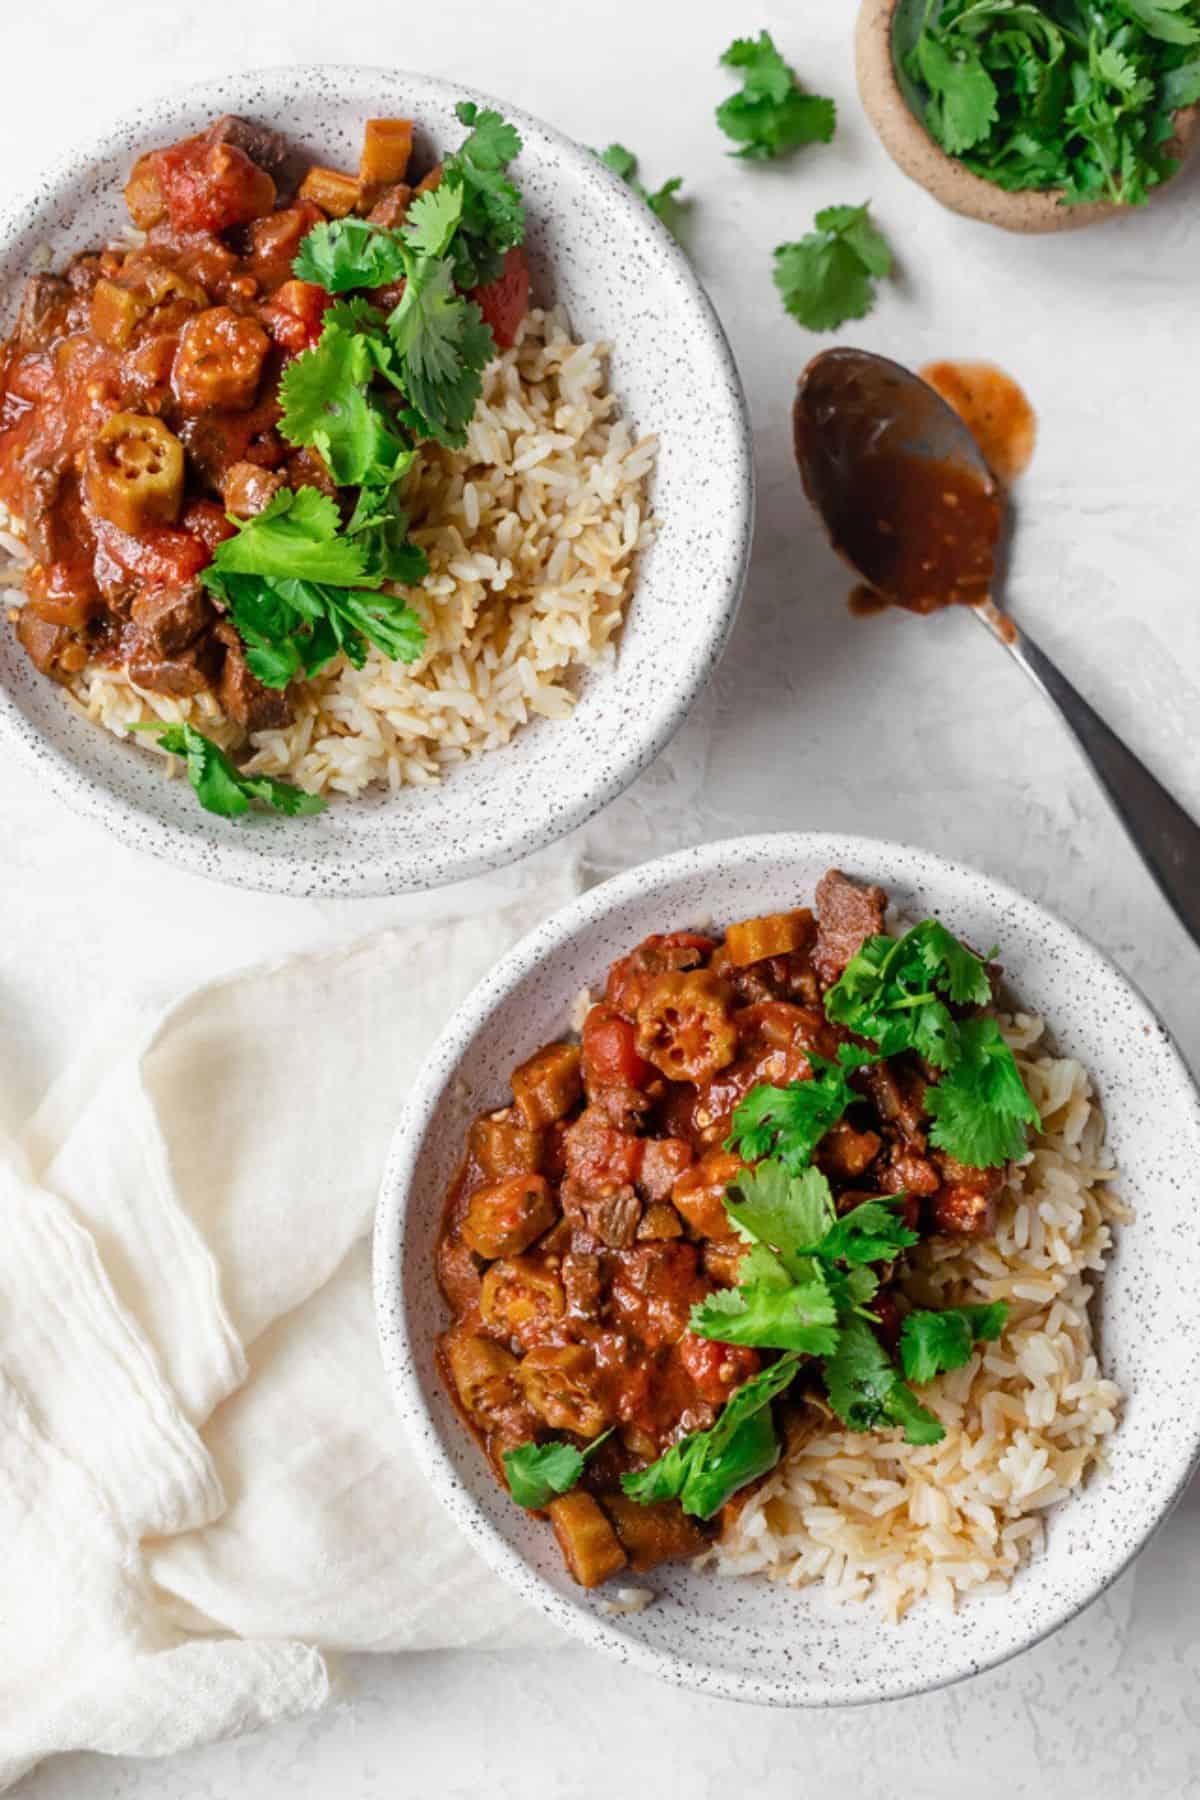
771 114
933 1342
980 1107
705 1468
299 589
1058 96
789 1122
537 1472
219 785
664 202
829 276
867 1393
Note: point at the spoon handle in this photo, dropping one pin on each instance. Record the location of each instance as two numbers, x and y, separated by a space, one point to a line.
1168 840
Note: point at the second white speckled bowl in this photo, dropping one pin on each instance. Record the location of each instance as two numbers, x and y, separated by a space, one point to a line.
749 1639
602 253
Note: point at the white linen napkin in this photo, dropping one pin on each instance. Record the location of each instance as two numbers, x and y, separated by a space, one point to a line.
203 1484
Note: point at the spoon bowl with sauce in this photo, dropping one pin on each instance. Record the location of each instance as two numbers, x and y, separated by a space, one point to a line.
912 506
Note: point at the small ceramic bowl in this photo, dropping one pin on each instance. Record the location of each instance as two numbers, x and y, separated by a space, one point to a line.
749 1639
882 89
599 251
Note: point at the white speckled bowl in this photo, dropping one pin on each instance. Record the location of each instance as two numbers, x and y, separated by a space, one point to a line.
602 253
747 1639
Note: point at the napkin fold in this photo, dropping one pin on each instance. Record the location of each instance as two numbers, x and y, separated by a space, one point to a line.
203 1484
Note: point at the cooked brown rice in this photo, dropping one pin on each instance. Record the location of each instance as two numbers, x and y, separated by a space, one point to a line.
870 1517
531 531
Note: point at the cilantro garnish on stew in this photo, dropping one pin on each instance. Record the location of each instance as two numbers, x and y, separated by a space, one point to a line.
537 1472
771 114
829 276
1062 94
219 786
301 589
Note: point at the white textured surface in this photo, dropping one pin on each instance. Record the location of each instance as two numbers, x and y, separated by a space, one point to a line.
902 728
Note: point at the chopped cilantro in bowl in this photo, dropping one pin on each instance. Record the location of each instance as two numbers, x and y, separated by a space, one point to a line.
1075 98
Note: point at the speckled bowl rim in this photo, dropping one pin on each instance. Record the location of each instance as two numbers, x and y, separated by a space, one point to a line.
369 873
681 1670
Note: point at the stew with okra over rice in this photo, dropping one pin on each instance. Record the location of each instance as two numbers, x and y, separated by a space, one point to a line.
795 1229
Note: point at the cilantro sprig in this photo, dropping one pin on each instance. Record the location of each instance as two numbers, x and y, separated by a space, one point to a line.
894 991
770 114
829 276
664 202
705 1468
536 1473
933 1342
493 213
1064 95
300 589
789 1122
219 786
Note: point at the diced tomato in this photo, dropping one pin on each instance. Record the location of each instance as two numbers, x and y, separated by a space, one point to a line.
505 301
161 557
295 314
211 187
610 1057
207 522
716 1369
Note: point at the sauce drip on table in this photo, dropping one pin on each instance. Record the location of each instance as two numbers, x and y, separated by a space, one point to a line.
994 409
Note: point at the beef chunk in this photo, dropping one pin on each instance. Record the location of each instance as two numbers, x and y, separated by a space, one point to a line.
898 1094
269 149
43 314
181 676
242 695
391 209
45 530
247 488
166 620
44 643
612 1219
581 1284
847 913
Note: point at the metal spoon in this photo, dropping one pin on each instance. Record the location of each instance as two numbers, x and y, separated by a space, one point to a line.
856 415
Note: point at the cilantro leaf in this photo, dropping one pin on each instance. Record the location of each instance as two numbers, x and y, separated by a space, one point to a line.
829 276
664 202
866 1392
931 1342
705 1468
963 107
444 345
493 213
1163 19
537 1472
799 1316
296 536
870 1232
771 115
433 218
219 785
343 254
888 991
789 1122
788 1213
980 1108
327 404
299 589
